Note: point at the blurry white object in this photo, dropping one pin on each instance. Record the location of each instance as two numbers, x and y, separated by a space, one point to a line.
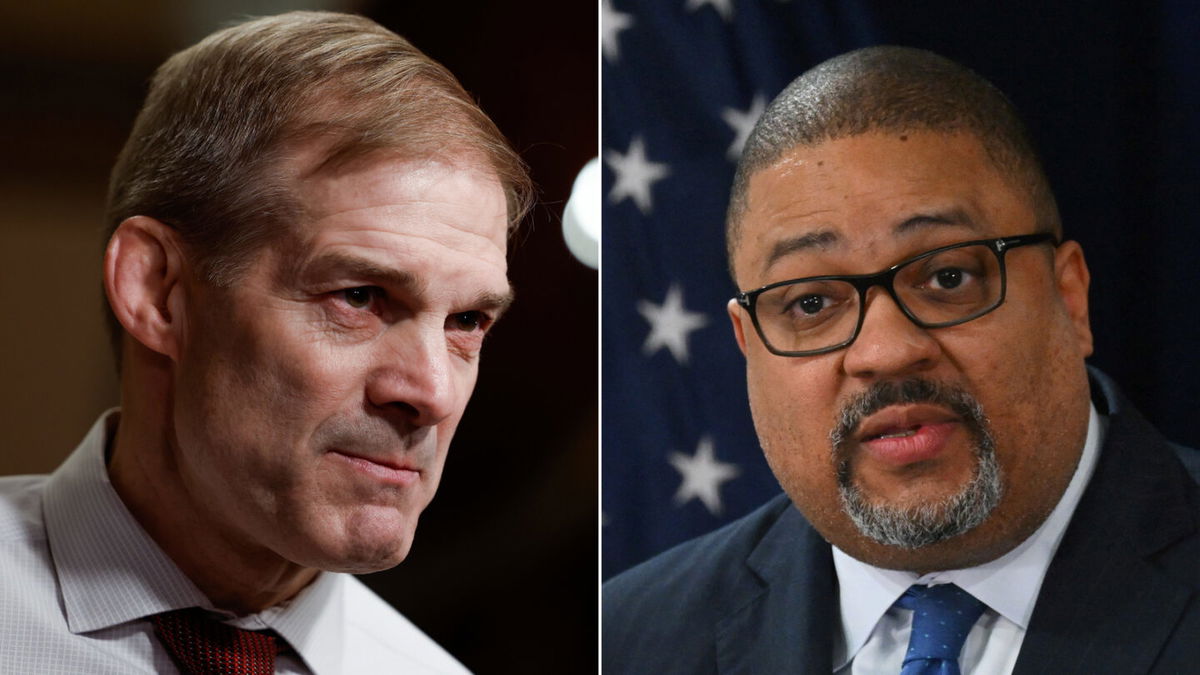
581 218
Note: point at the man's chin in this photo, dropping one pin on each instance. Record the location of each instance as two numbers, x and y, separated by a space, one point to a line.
364 567
931 497
360 546
359 559
915 523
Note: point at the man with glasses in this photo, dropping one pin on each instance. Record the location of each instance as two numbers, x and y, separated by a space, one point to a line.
968 496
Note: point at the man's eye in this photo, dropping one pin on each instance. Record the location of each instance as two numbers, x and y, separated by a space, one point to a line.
948 278
807 305
811 304
359 297
469 321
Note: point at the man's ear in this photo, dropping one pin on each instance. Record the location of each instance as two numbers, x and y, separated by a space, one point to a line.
1072 279
736 315
143 271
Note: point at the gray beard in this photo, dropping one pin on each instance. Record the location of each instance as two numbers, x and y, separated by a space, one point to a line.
932 522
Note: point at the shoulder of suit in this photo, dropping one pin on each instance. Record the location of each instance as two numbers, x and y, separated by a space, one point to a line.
664 615
381 640
695 568
1190 457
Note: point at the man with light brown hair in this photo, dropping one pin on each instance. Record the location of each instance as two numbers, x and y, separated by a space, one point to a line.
308 233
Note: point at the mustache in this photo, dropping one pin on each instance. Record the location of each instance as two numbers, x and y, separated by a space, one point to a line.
926 524
373 436
912 390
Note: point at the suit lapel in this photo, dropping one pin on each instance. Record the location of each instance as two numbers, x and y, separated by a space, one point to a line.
786 614
1115 620
1103 606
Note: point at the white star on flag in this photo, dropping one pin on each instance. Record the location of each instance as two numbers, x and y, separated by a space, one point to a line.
612 23
702 475
723 7
670 324
634 175
742 124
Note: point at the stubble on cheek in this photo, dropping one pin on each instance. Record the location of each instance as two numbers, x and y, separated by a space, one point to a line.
260 398
1040 440
797 451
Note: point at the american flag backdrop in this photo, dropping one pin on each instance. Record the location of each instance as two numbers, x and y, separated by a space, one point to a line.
683 83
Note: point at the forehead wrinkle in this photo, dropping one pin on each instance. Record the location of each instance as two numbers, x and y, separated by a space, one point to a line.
954 216
483 248
477 231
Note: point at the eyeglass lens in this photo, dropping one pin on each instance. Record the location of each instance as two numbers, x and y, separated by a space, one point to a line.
939 289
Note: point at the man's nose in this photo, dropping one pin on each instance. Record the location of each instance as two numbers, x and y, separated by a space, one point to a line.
414 374
889 343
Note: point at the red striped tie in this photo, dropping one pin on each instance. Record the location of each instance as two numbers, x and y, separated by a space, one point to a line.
204 646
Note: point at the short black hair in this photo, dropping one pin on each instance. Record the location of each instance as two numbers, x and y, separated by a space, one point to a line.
892 89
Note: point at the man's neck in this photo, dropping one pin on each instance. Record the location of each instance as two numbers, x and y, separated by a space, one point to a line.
237 574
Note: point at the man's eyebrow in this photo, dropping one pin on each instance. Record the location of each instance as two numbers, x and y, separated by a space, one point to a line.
826 239
821 239
361 268
497 303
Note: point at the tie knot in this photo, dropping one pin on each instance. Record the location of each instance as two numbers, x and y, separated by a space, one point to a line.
942 617
201 645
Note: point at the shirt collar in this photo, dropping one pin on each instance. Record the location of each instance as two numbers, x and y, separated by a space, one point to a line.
313 622
108 567
1008 585
111 571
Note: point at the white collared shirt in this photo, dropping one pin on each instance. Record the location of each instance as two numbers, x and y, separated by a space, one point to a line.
81 577
874 635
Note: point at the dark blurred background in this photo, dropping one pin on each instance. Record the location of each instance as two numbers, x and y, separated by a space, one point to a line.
1110 90
503 569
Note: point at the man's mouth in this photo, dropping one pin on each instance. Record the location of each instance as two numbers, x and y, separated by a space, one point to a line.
385 469
900 435
903 420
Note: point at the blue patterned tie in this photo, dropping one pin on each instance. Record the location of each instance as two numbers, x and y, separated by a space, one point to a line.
942 617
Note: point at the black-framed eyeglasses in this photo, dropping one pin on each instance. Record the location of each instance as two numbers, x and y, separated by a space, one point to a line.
939 288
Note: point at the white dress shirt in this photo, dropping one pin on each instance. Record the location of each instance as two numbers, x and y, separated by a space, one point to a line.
81 577
874 635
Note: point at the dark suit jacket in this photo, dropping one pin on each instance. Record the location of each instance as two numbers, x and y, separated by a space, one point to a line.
759 596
